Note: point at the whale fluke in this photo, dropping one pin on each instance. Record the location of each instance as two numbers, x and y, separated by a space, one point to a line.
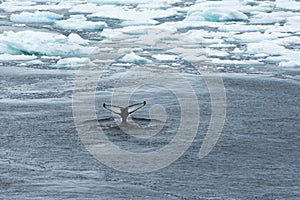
124 112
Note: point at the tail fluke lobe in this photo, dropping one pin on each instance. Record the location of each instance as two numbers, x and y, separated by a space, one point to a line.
124 112
114 109
134 107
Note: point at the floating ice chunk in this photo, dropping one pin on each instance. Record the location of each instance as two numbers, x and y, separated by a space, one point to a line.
9 57
216 53
139 22
266 47
270 18
133 58
288 5
257 36
242 27
221 15
73 37
257 6
213 11
136 30
135 2
132 15
236 62
292 25
36 17
74 63
14 6
165 57
79 22
292 40
203 37
41 43
291 64
237 50
261 55
87 8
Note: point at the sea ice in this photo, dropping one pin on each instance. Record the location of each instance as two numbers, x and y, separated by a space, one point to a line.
36 17
216 11
216 53
131 16
14 6
75 38
41 43
79 22
165 57
134 2
290 64
266 46
9 57
288 5
134 58
203 37
74 63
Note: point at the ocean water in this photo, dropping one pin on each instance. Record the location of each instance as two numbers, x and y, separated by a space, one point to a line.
220 76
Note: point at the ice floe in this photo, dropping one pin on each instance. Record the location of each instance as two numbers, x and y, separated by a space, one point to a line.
42 43
231 32
15 6
79 22
131 16
165 57
134 58
216 15
73 63
36 17
9 57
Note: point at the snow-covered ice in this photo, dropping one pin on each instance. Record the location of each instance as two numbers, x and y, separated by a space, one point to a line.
79 22
165 57
134 58
73 63
42 43
9 57
36 17
229 29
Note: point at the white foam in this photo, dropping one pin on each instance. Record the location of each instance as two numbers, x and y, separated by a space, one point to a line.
36 17
41 43
79 22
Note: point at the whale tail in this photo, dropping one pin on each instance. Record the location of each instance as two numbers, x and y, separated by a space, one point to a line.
114 109
135 107
124 112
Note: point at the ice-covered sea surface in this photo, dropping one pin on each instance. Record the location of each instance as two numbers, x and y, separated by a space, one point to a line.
253 45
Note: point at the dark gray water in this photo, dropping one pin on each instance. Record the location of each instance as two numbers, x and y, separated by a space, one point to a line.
256 157
41 157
